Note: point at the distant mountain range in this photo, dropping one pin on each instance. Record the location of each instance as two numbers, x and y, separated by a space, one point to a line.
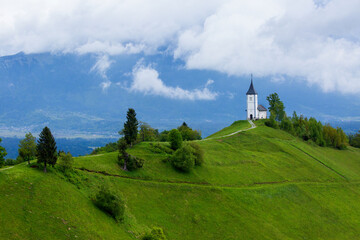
66 93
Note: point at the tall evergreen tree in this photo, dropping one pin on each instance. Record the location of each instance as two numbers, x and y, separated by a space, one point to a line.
130 130
3 153
46 148
27 148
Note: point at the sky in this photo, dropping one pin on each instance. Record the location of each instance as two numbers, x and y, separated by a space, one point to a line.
311 45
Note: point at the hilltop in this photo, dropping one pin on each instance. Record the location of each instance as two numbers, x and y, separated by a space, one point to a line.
261 183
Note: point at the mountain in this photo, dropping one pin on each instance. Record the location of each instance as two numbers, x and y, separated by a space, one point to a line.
77 96
260 183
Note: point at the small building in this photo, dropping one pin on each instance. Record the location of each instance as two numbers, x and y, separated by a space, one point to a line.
253 110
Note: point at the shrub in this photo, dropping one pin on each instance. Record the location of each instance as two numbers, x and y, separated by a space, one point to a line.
184 158
10 162
133 163
175 139
110 203
155 234
66 161
198 152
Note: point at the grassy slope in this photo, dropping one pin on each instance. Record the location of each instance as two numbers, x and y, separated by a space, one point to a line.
259 184
236 126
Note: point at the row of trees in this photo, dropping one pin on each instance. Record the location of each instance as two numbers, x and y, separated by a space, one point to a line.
300 126
185 155
354 139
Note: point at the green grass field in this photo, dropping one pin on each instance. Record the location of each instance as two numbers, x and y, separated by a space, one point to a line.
257 184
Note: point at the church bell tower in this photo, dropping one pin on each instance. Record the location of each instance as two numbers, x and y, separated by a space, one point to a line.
252 102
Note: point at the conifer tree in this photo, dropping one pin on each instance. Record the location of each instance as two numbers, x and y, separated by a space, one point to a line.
130 127
46 148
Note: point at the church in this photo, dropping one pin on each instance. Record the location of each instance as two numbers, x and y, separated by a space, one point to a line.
253 110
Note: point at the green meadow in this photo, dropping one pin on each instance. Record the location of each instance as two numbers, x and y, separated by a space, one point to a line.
258 184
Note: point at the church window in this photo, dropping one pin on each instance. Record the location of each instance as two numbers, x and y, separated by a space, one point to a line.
250 98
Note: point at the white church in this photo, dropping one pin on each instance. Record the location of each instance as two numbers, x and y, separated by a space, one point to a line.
253 110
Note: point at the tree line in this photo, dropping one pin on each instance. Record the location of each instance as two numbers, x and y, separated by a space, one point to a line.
309 129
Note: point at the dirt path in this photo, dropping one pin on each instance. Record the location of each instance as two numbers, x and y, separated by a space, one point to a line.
6 168
231 134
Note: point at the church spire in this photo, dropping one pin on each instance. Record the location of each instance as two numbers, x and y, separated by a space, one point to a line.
251 90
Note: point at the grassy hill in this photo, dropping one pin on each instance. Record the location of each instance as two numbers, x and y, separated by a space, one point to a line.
257 184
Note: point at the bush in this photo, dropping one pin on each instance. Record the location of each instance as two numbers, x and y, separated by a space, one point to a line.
155 234
110 203
198 152
175 139
184 158
66 161
133 163
10 162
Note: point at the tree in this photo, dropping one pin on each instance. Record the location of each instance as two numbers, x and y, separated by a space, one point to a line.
66 161
127 161
27 148
188 134
276 106
147 133
175 139
130 127
3 153
46 148
184 158
354 140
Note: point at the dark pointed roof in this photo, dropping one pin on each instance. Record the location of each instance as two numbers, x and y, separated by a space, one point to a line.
251 90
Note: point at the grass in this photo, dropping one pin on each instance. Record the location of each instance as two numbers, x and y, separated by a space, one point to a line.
236 126
258 184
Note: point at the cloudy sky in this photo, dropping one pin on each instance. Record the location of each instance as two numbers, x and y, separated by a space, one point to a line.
313 41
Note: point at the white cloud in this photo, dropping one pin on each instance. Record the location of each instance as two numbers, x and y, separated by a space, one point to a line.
102 65
146 80
316 41
105 85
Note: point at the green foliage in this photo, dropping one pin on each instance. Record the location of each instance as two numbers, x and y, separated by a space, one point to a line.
354 140
188 134
307 129
3 153
198 153
133 163
130 130
125 160
271 122
27 148
160 148
10 162
163 136
276 107
110 203
155 234
175 139
184 158
109 147
66 161
147 133
46 148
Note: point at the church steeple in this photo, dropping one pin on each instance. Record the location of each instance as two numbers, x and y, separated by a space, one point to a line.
251 90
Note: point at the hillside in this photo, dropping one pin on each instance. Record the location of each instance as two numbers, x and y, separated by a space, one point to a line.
258 184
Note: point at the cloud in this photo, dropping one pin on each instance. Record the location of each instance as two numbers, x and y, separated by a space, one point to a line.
105 85
146 80
315 41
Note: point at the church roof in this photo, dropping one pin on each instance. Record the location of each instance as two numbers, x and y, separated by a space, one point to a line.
261 108
251 90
